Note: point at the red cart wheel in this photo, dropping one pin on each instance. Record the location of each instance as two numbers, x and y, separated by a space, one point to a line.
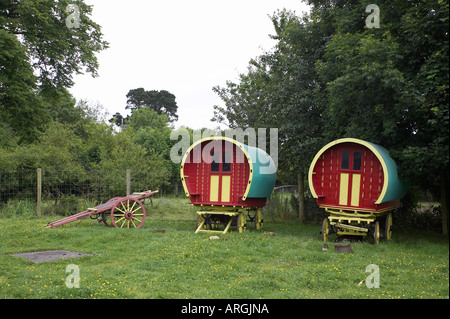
129 213
105 215
105 218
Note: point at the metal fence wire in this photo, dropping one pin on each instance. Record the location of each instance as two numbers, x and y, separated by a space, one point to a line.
51 190
68 192
18 185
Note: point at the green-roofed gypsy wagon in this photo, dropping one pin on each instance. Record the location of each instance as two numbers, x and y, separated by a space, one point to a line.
228 181
356 182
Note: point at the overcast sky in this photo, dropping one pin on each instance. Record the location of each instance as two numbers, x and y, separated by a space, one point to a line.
184 47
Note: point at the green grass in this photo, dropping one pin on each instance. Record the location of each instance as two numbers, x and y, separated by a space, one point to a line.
142 263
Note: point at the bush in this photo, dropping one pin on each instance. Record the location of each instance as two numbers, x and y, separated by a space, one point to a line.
14 208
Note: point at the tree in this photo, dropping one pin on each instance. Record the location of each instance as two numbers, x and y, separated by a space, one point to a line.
56 50
20 108
163 102
390 85
365 90
331 76
39 53
117 119
424 35
124 153
151 130
247 103
279 90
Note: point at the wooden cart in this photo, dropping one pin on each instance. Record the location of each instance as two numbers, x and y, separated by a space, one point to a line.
119 212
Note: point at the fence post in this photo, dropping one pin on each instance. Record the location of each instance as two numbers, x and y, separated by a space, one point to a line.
39 192
128 182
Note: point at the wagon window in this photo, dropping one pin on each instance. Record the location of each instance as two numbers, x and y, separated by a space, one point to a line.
357 160
345 160
226 162
215 161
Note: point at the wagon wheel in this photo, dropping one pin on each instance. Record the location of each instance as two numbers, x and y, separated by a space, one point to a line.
129 213
376 233
388 227
105 218
241 222
258 219
325 229
106 215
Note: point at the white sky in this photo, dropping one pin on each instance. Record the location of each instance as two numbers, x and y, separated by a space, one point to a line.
184 47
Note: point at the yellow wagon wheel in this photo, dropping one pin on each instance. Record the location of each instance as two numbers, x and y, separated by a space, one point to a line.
241 222
129 213
258 219
325 229
106 214
376 233
388 227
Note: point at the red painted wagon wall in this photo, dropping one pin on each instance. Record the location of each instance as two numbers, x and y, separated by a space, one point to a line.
198 169
360 162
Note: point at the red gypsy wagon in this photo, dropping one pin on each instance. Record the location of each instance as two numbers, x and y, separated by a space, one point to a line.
226 179
356 182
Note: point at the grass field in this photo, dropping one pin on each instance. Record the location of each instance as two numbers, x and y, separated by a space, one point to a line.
142 263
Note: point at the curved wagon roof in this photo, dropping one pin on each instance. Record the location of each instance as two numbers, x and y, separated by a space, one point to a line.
393 188
262 175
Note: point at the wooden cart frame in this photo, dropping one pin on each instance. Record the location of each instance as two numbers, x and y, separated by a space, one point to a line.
212 221
120 212
356 223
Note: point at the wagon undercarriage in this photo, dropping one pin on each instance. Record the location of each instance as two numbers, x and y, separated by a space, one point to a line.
352 223
221 221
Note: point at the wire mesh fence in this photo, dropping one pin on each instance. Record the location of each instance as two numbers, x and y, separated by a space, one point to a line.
63 192
40 192
18 185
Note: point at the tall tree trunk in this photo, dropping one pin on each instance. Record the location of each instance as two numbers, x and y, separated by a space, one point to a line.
301 196
444 204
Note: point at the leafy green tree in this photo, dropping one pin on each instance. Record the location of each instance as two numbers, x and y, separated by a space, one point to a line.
330 76
247 103
390 85
57 149
56 50
279 90
365 90
151 130
163 102
20 108
124 153
39 54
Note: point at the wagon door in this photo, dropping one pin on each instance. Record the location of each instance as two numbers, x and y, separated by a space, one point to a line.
350 177
220 180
